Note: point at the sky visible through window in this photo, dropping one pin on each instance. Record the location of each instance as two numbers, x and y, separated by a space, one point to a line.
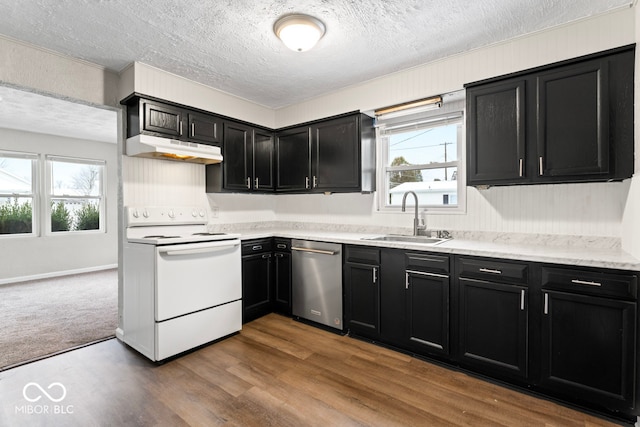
424 146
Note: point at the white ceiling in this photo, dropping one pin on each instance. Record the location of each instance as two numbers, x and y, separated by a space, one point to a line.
230 45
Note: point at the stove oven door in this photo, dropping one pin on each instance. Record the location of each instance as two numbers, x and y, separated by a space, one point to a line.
196 276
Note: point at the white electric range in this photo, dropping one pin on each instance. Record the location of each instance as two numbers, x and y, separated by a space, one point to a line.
182 286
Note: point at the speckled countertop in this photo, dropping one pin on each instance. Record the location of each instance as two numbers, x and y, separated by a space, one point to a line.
579 251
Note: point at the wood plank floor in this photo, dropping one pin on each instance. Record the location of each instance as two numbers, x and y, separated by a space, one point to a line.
276 372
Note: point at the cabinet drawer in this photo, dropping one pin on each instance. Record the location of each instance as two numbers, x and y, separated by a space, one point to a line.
421 261
590 282
362 254
494 270
255 246
282 244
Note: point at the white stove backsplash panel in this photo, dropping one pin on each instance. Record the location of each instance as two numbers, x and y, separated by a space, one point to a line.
149 182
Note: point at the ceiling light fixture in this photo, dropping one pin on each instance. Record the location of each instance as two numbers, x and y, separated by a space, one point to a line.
299 32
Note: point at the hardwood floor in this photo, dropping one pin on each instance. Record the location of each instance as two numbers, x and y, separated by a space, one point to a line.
276 372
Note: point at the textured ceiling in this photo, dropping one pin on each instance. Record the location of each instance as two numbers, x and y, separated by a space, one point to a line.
230 45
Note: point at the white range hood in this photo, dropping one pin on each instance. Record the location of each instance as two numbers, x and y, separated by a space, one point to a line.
172 149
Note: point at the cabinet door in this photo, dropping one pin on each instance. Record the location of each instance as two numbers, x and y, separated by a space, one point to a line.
427 305
205 128
282 283
162 119
573 120
262 160
256 286
336 155
493 327
588 348
393 316
237 155
293 166
496 133
363 299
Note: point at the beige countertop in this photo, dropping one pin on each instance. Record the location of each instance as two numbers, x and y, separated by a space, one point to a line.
539 251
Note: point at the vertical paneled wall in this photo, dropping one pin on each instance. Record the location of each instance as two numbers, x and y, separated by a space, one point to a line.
154 182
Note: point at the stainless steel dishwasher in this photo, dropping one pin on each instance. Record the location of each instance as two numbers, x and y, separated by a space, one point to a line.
317 282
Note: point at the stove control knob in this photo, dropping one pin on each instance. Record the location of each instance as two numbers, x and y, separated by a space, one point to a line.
135 213
172 214
145 213
194 213
201 214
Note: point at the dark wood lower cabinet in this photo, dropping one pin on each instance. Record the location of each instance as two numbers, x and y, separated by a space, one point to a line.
494 328
427 305
256 286
282 276
588 348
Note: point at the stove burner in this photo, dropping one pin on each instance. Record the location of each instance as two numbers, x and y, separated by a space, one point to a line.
160 237
208 234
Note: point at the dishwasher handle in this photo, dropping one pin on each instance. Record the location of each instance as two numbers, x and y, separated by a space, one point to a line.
315 251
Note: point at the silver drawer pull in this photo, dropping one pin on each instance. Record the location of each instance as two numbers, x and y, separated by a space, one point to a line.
585 282
522 299
488 270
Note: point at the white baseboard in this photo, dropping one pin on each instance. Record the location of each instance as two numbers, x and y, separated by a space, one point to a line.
57 274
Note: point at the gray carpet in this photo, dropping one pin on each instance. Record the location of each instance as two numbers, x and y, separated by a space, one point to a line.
43 317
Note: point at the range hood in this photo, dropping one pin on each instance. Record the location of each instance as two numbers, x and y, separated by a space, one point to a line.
172 149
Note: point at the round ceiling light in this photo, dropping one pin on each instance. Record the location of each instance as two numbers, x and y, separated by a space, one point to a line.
299 32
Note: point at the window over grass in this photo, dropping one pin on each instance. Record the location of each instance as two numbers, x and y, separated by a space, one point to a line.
421 151
75 194
17 189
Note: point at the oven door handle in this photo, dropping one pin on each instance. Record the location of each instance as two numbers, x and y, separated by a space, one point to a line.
196 251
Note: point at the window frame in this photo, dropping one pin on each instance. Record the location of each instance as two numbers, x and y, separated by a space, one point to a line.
411 119
50 196
34 195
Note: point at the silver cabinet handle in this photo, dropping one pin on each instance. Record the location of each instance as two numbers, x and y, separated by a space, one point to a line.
315 251
489 270
541 168
406 277
249 182
375 275
424 273
546 303
281 246
256 182
522 299
265 256
256 247
520 166
306 182
585 282
180 127
315 181
193 129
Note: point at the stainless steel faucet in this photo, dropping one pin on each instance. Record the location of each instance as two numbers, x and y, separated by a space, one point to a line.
416 221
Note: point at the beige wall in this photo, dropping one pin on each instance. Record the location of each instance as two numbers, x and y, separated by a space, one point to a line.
40 70
33 257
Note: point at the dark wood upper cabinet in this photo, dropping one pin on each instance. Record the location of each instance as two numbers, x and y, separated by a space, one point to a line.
573 120
205 128
165 119
336 154
238 156
330 155
248 158
293 154
496 126
565 122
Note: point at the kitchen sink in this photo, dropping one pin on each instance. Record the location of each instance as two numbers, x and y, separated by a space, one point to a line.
425 240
